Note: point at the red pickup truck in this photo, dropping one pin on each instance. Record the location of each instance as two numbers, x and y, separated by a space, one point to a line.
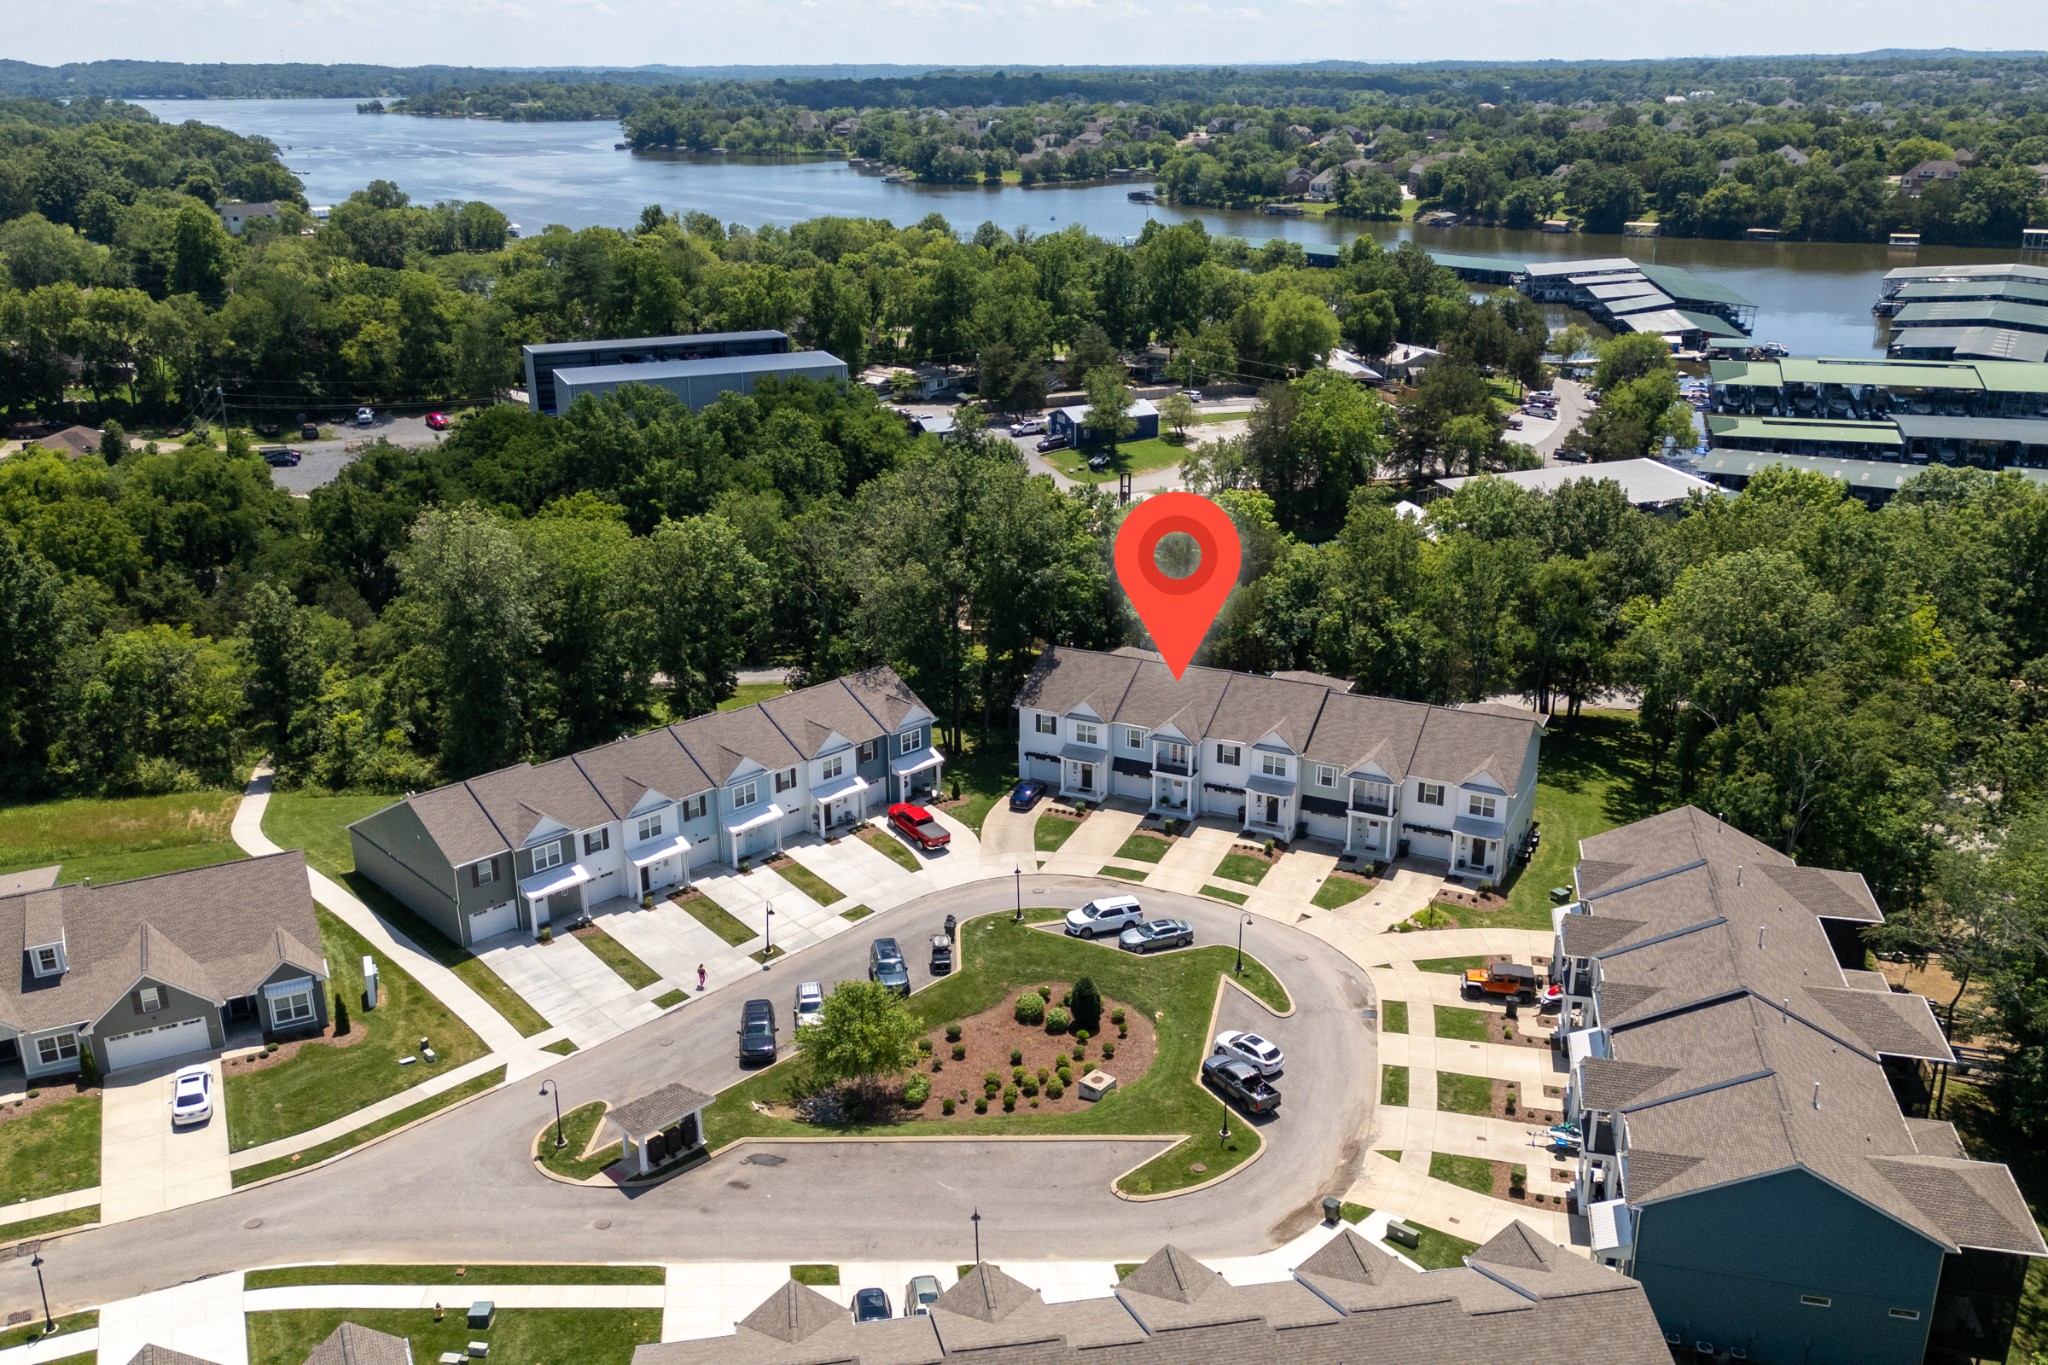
918 826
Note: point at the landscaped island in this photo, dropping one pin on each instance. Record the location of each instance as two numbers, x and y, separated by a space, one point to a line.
1155 1013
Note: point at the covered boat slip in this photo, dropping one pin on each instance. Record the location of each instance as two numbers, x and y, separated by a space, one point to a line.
1872 390
1872 480
1968 343
1800 436
1989 442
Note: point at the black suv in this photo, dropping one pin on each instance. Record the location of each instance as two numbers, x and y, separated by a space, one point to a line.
886 965
757 1032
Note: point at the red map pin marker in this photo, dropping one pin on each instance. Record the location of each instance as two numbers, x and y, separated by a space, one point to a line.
1178 611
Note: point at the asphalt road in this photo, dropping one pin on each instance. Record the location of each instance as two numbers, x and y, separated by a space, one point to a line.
462 1186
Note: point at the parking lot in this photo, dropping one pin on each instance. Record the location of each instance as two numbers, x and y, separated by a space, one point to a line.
321 462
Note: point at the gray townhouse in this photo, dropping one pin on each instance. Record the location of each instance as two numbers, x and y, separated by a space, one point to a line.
1744 1089
1347 1303
524 846
145 970
1288 755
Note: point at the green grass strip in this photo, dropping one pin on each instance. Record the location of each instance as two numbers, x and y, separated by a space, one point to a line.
814 1274
1234 897
1338 891
1128 874
69 1323
1144 848
1450 966
579 1128
1456 1094
1463 1025
890 847
668 1000
1467 1172
618 957
1394 1085
717 919
280 1277
1243 867
316 1154
808 882
1394 1017
1051 831
49 1223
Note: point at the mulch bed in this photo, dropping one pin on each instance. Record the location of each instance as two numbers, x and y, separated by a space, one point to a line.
1471 898
55 1090
989 1036
1531 1029
286 1050
1535 1118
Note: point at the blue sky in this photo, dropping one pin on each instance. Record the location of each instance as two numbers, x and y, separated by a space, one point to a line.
694 32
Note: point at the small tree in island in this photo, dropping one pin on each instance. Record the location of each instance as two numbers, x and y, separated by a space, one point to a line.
1109 405
864 1039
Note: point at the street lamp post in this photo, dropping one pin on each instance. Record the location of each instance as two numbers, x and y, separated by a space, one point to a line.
975 1219
49 1323
545 1086
1225 1134
1020 895
768 937
1242 921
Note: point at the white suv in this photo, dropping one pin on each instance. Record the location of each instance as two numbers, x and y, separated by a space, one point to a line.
810 1004
1110 915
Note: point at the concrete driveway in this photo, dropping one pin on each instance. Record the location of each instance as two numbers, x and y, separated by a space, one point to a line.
463 1183
146 1166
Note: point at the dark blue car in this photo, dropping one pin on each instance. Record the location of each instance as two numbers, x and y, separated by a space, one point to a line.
871 1305
1026 795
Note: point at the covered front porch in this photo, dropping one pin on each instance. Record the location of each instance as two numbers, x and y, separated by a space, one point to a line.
754 832
839 804
916 773
554 894
661 863
1173 794
1269 805
1084 772
1476 848
1367 835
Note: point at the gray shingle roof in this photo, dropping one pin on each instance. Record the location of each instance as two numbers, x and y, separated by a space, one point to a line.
722 742
216 932
625 771
657 1109
1313 716
353 1344
152 1354
811 717
1350 1303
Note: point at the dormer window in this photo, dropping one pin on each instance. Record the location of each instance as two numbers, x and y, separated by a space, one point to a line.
48 959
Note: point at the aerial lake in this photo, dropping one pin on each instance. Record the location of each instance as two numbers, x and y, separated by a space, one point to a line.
1814 298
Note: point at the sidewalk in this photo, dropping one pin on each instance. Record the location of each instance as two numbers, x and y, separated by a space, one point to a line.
1191 863
348 1123
401 1296
1095 843
202 1318
521 1055
55 1203
1411 1194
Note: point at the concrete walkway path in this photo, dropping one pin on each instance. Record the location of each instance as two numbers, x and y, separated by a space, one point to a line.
1191 863
368 1114
146 1165
1289 888
73 1346
287 1297
202 1318
1009 836
1451 1208
522 1055
566 984
1094 843
24 1210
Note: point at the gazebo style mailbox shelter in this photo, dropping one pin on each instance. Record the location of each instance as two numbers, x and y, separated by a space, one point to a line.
659 1127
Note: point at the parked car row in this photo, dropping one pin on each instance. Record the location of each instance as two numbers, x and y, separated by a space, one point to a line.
1241 1066
872 1305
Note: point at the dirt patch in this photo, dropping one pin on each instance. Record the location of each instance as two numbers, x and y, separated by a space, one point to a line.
48 1092
1506 1091
1471 898
1529 1030
289 1048
989 1038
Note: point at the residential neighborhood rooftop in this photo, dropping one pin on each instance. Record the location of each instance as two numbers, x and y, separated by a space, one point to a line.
1645 483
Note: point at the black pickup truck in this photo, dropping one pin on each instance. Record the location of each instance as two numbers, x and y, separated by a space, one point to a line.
1240 1080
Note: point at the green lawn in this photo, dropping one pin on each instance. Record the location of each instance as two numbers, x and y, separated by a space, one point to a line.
718 920
983 774
808 882
815 1275
324 1083
446 1274
1467 1172
1051 831
667 1000
48 1223
890 847
748 694
1459 1094
1437 1250
122 838
1394 1086
1449 966
1243 867
1128 874
1394 1017
1354 1213
1132 457
525 1336
449 954
855 913
1234 897
579 1126
1466 1026
263 1170
74 1322
319 823
51 1151
1594 776
562 1047
1144 848
1002 957
618 957
1336 892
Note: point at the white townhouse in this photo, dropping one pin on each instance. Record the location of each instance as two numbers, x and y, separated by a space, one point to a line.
524 846
1290 755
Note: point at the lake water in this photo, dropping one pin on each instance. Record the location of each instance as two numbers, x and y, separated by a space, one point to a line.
1815 298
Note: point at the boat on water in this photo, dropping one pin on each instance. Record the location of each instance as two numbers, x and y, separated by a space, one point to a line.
1142 197
622 146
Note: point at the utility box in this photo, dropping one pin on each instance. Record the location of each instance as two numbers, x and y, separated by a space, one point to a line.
369 982
1407 1236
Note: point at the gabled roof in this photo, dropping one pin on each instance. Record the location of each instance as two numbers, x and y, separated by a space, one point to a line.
216 932
793 1313
625 771
517 800
152 1354
1316 716
809 719
353 1344
723 742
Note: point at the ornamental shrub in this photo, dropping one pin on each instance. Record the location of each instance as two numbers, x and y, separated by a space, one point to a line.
1108 1051
1045 992
1016 1055
1087 1006
946 1106
991 1078
1058 1019
1053 1089
1082 1035
924 1045
1116 1016
1044 1074
917 1089
1060 1060
953 1031
981 1106
959 1052
1030 1009
1030 1087
1010 1098
1016 1075
1066 1076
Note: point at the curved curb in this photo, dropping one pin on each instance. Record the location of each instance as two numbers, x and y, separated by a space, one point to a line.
1246 1164
596 1182
366 1143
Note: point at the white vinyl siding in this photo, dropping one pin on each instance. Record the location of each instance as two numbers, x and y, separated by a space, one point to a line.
1229 754
1273 765
832 767
1485 807
1045 724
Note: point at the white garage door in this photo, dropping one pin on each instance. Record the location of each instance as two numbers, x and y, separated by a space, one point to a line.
499 919
155 1044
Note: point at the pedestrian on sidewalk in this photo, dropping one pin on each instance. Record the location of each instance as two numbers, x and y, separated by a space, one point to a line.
700 976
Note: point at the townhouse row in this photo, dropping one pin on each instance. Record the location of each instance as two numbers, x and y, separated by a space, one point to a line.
533 844
1287 756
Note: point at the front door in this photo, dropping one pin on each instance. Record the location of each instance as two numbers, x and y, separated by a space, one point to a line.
1269 810
646 881
1087 776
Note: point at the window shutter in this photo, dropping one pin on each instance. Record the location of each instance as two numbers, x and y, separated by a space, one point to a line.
474 879
606 832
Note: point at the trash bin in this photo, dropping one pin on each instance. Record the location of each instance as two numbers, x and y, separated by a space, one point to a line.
1333 1208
